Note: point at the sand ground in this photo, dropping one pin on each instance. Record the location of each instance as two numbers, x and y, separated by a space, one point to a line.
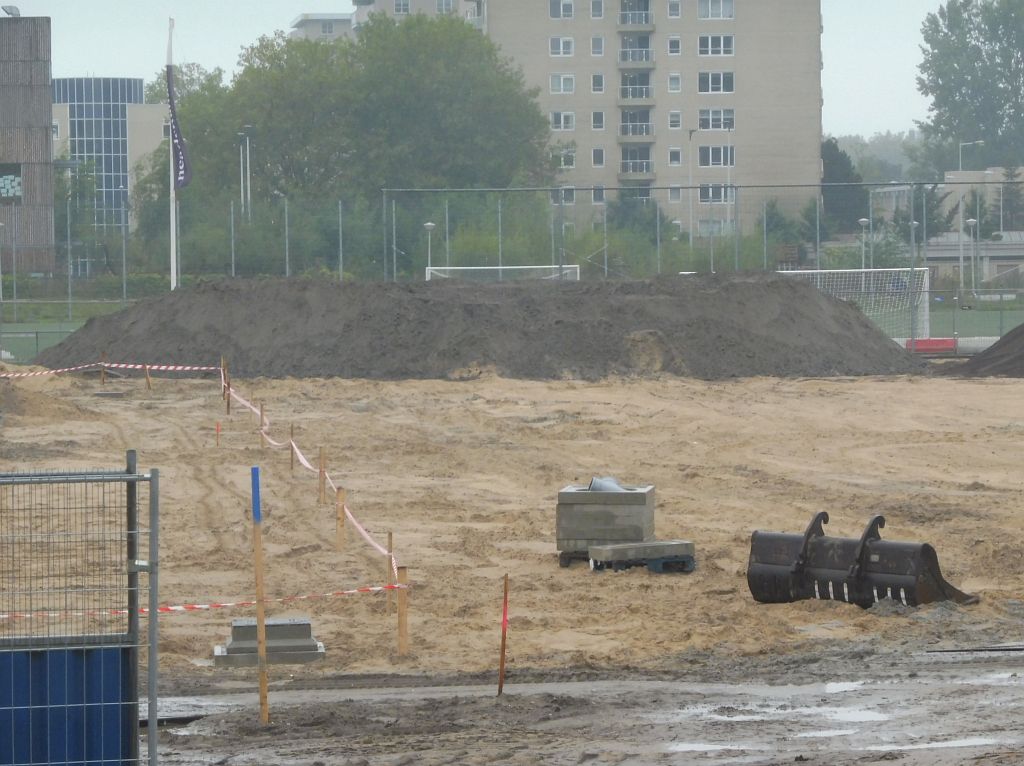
465 475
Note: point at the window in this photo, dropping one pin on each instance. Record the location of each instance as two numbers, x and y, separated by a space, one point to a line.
561 46
597 83
716 193
717 119
675 156
715 9
566 158
675 194
675 83
597 120
598 195
715 82
597 158
675 120
563 83
675 46
561 9
563 120
715 45
327 28
445 6
566 195
716 156
597 9
597 46
674 9
401 7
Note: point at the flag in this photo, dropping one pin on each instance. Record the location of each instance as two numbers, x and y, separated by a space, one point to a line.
182 168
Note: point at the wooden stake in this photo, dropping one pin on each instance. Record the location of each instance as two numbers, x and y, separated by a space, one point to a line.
262 443
223 379
261 622
227 399
504 636
291 446
340 530
322 497
403 612
103 368
149 380
390 574
218 433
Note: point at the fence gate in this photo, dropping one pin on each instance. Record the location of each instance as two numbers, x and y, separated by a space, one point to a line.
72 547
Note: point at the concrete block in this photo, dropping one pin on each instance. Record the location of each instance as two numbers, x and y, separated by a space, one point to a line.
654 549
584 518
289 640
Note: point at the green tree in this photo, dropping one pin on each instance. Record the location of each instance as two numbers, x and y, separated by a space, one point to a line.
973 74
188 79
846 203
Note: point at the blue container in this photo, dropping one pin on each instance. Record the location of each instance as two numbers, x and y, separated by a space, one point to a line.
74 706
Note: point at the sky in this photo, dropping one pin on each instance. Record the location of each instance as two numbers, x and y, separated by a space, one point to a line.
871 48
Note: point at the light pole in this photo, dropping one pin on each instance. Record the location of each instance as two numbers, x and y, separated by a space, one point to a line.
429 226
341 250
972 223
248 174
863 247
287 255
960 205
124 249
241 170
689 183
911 284
1 276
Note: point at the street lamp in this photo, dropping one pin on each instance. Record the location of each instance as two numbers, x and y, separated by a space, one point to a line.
979 142
429 226
287 257
972 223
960 206
247 202
124 248
863 246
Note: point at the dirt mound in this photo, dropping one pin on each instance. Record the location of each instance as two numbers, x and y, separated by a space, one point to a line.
1004 357
703 327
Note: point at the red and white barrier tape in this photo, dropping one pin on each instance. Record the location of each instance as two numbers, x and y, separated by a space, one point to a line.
113 366
181 608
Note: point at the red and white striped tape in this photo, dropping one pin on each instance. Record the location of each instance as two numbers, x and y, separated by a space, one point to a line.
181 608
113 366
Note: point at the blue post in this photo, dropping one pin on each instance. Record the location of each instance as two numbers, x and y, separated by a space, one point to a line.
256 516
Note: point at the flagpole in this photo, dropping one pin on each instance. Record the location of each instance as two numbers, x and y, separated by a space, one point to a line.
171 169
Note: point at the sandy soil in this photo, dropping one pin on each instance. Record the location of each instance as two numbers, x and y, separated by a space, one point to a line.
465 475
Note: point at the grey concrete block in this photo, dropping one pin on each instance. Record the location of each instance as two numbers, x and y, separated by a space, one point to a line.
630 495
654 549
289 640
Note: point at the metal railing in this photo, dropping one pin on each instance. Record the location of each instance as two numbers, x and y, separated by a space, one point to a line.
636 56
636 166
635 18
636 92
636 129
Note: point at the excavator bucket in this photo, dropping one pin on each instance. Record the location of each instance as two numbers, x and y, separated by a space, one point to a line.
785 568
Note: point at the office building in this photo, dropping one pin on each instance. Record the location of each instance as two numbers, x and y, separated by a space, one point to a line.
322 26
26 174
104 122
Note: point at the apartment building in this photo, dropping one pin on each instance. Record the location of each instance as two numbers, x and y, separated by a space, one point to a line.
708 107
322 26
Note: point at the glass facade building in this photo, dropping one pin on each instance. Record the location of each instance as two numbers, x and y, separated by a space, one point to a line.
98 135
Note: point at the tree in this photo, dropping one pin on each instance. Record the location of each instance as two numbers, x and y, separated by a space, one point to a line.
1012 200
973 73
188 79
843 205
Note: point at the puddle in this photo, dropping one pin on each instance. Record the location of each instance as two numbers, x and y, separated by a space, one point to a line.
769 712
839 688
854 716
826 733
970 742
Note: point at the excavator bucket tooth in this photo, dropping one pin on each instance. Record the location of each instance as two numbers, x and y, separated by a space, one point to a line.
791 567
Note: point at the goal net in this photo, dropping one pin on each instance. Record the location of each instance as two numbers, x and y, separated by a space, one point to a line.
568 272
894 299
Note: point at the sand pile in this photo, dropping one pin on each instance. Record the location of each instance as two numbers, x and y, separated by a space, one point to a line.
703 327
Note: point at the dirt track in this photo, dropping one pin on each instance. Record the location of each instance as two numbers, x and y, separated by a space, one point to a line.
465 473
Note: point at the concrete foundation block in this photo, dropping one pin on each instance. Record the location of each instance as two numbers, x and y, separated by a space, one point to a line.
289 640
584 518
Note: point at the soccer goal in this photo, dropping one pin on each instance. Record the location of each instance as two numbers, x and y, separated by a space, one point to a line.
568 272
894 299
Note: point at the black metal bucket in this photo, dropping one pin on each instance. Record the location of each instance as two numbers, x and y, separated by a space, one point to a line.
785 568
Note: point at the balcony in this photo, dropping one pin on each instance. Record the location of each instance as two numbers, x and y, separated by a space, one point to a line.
636 132
636 21
637 95
636 58
636 170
